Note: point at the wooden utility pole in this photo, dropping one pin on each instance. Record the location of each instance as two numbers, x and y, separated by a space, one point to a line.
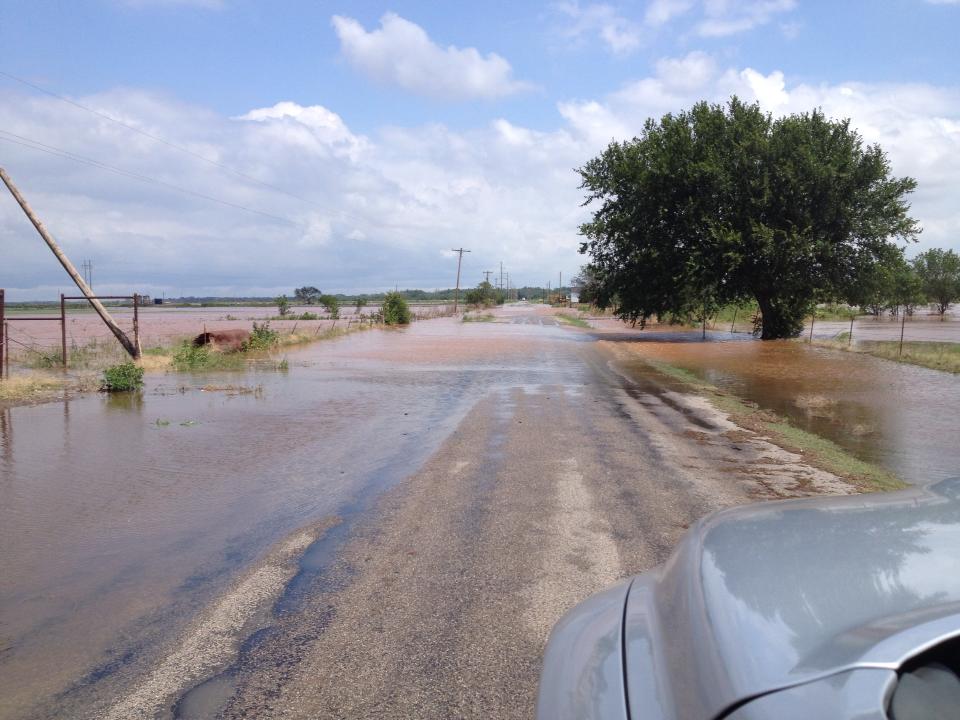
130 346
456 297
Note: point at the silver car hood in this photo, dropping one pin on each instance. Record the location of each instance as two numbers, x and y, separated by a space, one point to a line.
770 596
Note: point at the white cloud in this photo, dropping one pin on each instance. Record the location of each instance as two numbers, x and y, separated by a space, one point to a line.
729 17
660 12
602 21
401 53
379 208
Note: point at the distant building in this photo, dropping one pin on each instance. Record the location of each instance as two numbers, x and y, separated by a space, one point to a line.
574 297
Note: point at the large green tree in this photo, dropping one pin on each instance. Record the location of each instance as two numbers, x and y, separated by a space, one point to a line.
939 271
723 203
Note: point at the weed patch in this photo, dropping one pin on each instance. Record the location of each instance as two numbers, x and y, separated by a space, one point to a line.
124 377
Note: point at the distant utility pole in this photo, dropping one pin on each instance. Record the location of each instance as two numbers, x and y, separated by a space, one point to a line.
456 297
501 276
88 272
486 276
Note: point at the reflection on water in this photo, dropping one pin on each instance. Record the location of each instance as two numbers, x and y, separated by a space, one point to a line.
900 416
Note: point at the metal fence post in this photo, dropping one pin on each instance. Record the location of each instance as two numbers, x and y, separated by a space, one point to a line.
903 322
3 324
63 329
850 335
136 320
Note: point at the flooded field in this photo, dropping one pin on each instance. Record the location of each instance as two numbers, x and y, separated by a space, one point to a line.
902 417
161 325
121 516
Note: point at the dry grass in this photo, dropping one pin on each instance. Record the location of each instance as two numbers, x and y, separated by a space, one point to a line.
36 386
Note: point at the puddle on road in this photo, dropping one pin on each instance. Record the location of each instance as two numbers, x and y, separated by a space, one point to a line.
902 417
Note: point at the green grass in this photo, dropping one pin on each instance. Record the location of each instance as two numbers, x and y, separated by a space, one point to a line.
933 355
816 450
188 357
575 321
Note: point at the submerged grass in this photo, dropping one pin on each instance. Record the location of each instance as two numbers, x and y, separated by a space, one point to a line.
486 317
934 355
817 451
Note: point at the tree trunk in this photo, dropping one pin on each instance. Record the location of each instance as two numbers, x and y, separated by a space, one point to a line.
781 318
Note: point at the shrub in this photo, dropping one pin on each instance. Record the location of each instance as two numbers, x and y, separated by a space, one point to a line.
395 309
332 305
308 316
261 337
191 357
122 378
283 305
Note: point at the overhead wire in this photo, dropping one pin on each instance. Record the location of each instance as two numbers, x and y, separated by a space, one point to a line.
66 154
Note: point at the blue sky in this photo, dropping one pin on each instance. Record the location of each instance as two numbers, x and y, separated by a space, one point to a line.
413 127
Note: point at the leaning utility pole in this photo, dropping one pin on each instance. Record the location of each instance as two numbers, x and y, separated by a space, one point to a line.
130 346
456 297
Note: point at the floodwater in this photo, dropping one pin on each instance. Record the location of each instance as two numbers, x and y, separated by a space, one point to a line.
122 516
159 325
902 417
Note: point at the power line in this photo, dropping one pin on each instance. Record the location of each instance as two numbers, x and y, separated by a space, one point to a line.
159 139
66 154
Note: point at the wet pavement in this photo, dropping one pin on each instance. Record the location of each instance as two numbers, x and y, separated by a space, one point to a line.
398 513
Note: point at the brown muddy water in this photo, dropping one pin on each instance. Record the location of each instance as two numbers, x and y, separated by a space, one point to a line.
902 417
121 517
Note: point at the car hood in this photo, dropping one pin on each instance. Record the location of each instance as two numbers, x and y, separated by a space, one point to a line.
773 595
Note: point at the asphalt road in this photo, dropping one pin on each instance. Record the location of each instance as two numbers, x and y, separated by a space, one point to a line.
439 601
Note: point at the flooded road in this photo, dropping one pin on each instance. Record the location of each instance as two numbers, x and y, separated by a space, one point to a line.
237 532
899 416
120 516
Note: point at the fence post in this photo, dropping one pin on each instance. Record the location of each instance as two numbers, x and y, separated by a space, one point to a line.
734 321
136 320
850 336
63 329
813 317
3 323
903 322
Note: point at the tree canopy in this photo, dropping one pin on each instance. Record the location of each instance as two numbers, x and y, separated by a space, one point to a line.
939 272
723 203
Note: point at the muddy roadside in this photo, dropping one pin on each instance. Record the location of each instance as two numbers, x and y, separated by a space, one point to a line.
440 600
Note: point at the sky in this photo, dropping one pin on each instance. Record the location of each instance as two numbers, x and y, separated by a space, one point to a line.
234 147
